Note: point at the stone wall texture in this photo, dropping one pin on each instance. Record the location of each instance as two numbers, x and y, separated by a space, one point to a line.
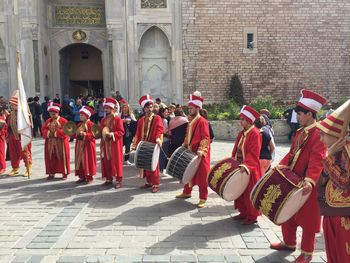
300 43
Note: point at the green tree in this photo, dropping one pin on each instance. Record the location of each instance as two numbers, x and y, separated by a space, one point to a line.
236 90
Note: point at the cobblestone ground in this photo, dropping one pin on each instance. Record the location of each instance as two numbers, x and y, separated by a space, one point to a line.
58 221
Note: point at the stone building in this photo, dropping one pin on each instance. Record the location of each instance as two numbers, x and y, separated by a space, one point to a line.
171 47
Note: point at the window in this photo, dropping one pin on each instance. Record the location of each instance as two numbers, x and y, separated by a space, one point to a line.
250 40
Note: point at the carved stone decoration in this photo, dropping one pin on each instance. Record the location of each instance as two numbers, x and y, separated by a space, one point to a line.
79 15
153 3
79 35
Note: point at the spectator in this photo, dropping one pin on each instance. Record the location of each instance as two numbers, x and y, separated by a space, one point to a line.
76 108
44 105
177 131
292 121
329 110
160 103
101 112
171 108
204 114
37 117
129 122
164 113
268 145
118 97
155 108
57 99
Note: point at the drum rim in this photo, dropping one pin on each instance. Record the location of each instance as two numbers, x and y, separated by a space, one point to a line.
286 199
136 154
222 188
154 156
172 157
197 162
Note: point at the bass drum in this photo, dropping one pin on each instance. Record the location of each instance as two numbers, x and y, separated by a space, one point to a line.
147 156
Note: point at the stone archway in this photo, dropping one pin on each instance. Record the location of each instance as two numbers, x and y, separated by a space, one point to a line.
81 71
155 64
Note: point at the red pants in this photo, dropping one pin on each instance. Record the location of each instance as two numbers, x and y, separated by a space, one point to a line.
16 153
289 231
107 170
152 177
202 186
337 238
2 152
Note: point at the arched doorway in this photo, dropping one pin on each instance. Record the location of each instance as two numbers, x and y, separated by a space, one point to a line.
81 71
155 64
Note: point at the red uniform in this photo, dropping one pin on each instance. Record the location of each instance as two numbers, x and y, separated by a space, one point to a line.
14 142
198 139
334 201
56 147
112 148
149 129
85 152
305 159
3 132
247 151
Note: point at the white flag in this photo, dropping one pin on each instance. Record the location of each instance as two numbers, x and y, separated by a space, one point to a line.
24 122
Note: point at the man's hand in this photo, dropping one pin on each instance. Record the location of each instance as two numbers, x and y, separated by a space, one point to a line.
200 153
242 170
337 146
109 135
307 188
159 142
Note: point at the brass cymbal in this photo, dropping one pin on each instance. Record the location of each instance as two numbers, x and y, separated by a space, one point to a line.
105 131
96 131
70 128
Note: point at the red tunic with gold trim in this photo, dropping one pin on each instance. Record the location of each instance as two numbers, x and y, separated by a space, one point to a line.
198 139
85 152
3 133
112 148
247 151
334 201
149 129
305 159
57 155
14 143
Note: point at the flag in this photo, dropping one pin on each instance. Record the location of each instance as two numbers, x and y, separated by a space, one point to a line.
24 121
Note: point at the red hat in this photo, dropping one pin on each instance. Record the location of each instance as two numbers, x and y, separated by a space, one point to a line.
87 111
311 101
54 107
196 100
249 114
336 124
123 102
145 99
110 102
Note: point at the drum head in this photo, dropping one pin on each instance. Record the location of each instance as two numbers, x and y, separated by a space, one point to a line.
155 157
291 206
191 170
235 186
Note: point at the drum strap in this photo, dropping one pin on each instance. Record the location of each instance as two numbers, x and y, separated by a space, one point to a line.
150 127
297 150
194 131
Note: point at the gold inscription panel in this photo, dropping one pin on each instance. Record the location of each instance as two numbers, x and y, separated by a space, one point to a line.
153 3
77 15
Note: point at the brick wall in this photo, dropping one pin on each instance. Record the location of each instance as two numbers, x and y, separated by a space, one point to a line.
301 43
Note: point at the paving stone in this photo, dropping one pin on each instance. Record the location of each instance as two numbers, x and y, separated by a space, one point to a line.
183 258
71 259
36 259
156 258
232 258
100 259
261 259
21 259
211 258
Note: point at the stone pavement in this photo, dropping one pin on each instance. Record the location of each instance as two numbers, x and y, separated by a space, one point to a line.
58 221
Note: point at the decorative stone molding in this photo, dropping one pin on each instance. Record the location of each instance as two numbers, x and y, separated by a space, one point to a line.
142 29
153 3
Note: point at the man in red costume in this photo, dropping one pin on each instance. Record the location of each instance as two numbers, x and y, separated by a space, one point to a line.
85 148
150 129
305 159
247 151
14 142
197 140
334 188
112 144
56 144
3 133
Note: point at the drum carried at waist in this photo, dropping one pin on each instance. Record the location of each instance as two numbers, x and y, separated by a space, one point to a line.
183 164
278 194
226 179
147 156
